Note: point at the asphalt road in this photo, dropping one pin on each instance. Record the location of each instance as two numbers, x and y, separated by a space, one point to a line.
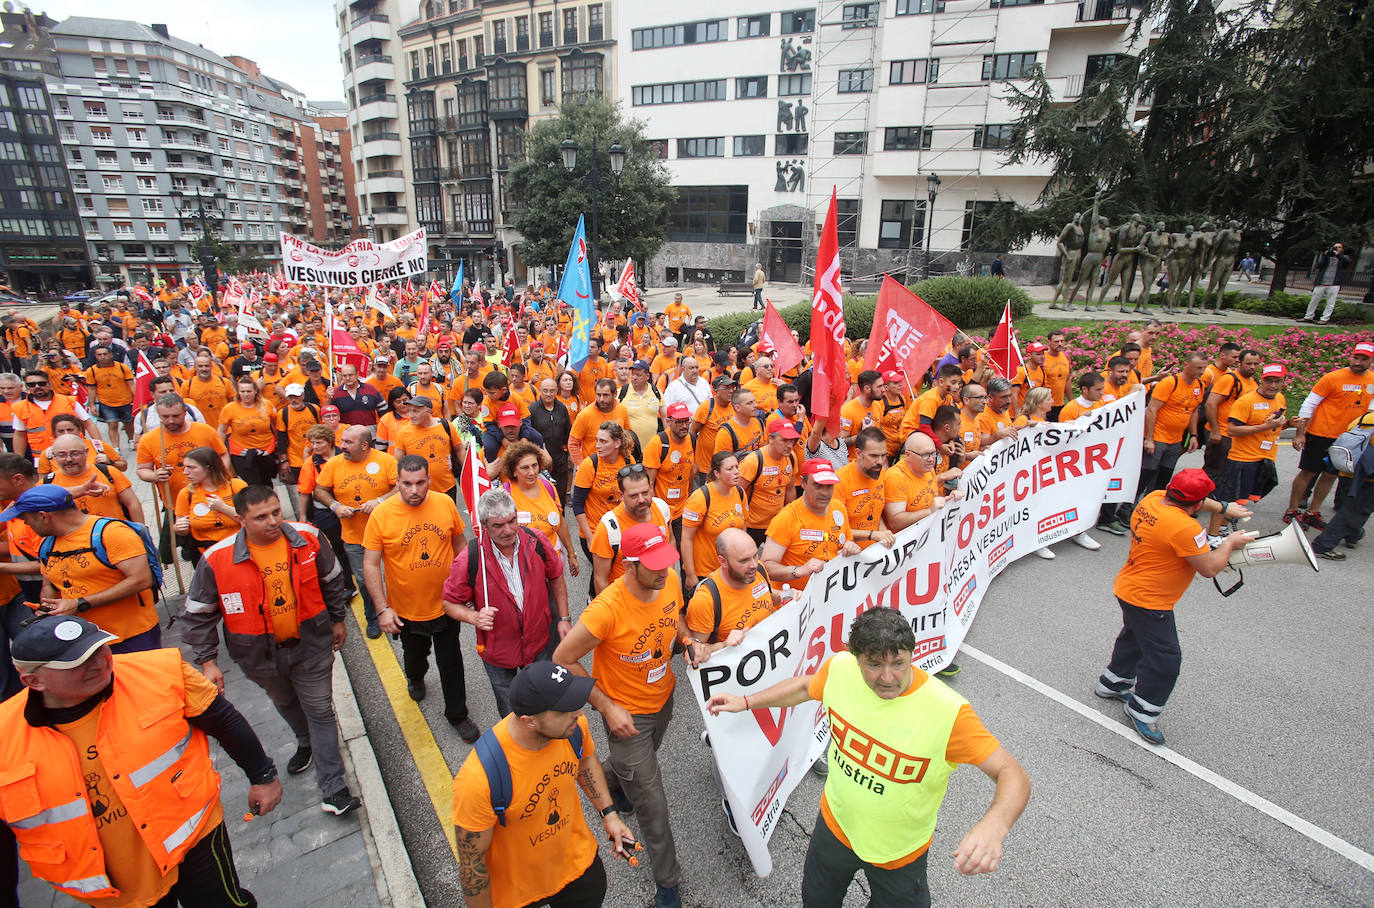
1271 701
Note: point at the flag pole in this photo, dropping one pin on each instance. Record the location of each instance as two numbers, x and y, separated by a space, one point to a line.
162 491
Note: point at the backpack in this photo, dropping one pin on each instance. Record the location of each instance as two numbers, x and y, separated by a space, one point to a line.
497 768
104 469
1349 448
97 548
734 436
614 532
710 585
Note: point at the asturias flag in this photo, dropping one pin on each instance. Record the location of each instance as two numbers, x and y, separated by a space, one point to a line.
456 291
576 290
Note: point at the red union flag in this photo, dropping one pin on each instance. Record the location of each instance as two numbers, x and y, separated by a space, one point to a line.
143 377
779 341
830 378
908 335
626 288
475 482
1003 349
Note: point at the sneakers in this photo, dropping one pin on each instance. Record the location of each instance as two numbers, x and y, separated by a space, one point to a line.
1107 693
467 730
1214 541
300 761
667 897
1332 555
1045 553
340 803
1083 540
374 630
1146 730
1291 515
949 671
729 817
416 689
1113 527
1312 519
822 766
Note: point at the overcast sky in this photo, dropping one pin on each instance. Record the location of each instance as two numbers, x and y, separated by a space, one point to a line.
294 41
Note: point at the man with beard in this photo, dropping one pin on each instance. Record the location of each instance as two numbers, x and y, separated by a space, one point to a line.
860 489
809 531
637 505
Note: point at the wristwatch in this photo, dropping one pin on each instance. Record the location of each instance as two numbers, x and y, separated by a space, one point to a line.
565 618
82 605
606 811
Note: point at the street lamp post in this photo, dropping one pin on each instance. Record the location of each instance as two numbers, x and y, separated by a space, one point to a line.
592 178
208 210
932 190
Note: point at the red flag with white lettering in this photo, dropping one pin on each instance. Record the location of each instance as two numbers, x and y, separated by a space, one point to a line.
511 351
780 343
908 335
829 376
475 482
1003 349
143 377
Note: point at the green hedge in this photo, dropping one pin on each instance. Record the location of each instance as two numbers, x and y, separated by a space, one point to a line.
969 302
1293 305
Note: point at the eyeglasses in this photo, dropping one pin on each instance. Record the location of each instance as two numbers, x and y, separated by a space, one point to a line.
926 455
632 469
36 384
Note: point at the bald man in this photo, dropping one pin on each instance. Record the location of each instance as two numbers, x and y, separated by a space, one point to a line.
99 489
912 490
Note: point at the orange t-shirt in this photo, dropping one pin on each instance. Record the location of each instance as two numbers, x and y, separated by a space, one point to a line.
918 492
274 560
352 484
249 428
545 843
592 371
731 436
1346 396
209 525
1251 410
295 423
1180 400
1056 370
891 413
1156 573
1112 393
969 742
710 517
1230 387
539 512
765 395
1077 407
128 862
111 384
417 546
159 448
76 576
969 434
854 415
434 444
770 479
210 396
740 609
586 424
631 664
601 537
711 415
804 535
862 498
602 485
106 504
675 464
989 421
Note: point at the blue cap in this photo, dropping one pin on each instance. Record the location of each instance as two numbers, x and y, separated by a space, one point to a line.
640 364
38 498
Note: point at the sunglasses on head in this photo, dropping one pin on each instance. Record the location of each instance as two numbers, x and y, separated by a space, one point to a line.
631 469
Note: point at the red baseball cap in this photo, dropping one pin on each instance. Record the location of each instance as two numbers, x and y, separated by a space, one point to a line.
270 358
479 347
678 411
1036 347
1191 486
820 470
648 544
892 375
508 415
1363 349
329 410
779 426
1274 370
445 345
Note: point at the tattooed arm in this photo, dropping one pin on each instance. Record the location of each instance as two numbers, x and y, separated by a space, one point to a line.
593 783
472 866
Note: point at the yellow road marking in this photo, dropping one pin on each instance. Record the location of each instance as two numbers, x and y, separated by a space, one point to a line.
429 760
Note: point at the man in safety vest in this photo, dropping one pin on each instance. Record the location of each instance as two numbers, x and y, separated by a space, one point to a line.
121 800
876 817
283 597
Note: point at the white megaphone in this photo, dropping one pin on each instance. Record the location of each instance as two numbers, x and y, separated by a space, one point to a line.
1289 546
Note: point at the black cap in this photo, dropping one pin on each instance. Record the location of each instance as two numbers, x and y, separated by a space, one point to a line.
543 686
57 641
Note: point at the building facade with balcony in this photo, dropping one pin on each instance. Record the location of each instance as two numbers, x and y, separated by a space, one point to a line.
478 75
142 114
369 49
41 247
759 112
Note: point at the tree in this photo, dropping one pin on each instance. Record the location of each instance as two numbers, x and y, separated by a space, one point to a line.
633 207
229 260
1258 113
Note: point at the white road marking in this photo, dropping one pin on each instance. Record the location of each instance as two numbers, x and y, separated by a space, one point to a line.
1221 783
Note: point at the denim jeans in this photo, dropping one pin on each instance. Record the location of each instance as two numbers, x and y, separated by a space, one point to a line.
355 563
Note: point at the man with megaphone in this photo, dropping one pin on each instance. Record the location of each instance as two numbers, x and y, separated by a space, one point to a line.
1168 547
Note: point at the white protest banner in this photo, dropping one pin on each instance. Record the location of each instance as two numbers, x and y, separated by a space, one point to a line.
360 263
1026 492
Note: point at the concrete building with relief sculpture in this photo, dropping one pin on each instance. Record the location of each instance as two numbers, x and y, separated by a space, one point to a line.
758 112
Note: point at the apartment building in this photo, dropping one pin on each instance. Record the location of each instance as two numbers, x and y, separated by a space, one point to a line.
758 112
41 248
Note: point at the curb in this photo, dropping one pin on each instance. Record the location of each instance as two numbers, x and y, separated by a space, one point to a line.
392 872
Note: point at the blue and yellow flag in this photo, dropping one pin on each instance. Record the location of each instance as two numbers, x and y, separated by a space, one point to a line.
456 291
576 290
